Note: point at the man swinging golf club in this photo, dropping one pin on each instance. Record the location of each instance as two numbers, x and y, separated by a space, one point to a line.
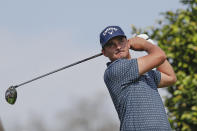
133 84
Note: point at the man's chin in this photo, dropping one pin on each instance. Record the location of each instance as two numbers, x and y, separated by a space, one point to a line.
120 57
122 54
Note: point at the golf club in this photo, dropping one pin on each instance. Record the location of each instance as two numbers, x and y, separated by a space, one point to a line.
11 93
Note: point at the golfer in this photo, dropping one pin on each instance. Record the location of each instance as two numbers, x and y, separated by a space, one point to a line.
132 82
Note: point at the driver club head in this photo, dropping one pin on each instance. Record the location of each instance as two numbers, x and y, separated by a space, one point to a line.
11 95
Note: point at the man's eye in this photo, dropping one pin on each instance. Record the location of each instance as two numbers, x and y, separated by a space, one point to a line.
121 39
109 44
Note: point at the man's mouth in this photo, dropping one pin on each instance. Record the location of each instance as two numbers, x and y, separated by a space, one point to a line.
119 52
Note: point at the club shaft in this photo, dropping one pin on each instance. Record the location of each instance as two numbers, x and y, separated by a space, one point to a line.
39 77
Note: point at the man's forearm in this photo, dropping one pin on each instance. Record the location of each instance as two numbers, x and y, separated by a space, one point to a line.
155 58
166 68
168 76
157 52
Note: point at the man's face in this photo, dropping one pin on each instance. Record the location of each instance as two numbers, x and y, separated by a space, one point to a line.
117 48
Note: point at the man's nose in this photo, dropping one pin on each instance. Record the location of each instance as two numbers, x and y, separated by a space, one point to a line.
118 45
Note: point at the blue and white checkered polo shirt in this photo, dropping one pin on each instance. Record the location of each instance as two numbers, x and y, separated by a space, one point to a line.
135 97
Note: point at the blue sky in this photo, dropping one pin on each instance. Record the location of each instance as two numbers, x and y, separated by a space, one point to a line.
82 19
42 35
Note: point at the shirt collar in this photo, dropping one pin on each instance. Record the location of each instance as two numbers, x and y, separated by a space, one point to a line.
108 63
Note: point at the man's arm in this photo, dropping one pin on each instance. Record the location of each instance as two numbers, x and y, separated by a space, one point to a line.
168 77
155 56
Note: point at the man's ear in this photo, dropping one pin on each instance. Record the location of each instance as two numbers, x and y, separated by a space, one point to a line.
128 44
103 51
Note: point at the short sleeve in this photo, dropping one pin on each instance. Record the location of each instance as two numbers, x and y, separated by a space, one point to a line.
156 75
122 71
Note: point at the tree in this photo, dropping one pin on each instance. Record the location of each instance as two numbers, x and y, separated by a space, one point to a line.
177 36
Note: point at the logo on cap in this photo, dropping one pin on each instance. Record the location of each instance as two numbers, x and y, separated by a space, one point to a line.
110 31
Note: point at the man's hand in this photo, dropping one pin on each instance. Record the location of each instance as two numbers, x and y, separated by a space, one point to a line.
137 43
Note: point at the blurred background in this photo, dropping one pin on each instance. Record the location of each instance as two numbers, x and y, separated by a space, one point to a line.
39 36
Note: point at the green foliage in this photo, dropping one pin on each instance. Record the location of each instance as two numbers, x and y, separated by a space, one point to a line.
177 36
